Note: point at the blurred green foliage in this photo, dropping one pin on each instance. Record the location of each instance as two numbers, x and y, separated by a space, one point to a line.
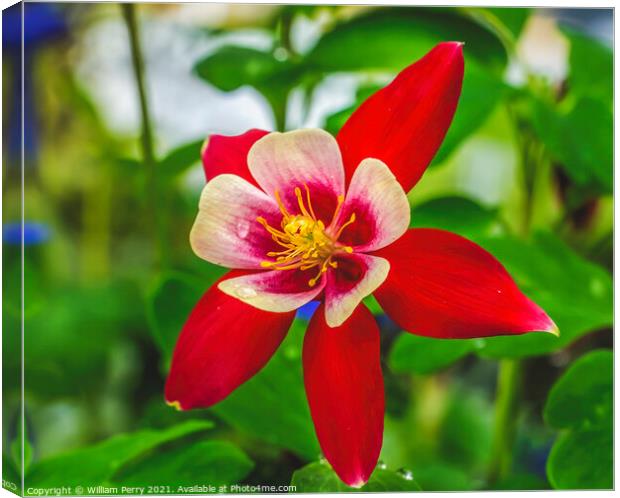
102 315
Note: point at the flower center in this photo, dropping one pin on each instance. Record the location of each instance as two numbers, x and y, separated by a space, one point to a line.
306 242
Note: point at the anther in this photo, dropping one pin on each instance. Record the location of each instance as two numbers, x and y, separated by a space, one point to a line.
304 238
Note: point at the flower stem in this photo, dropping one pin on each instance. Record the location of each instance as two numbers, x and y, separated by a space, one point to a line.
278 106
286 23
278 96
493 23
506 407
510 371
148 148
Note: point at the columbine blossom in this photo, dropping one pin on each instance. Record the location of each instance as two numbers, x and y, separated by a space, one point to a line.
303 216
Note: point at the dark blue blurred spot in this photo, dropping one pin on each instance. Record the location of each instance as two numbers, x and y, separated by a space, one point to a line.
387 325
537 459
12 26
307 310
34 233
42 22
30 120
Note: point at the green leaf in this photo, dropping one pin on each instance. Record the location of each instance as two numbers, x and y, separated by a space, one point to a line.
334 122
210 462
481 92
466 427
272 405
581 140
591 67
391 39
16 449
232 67
513 18
582 460
438 476
168 305
583 395
179 160
576 294
11 478
582 402
96 464
319 477
456 214
424 355
170 301
71 334
521 482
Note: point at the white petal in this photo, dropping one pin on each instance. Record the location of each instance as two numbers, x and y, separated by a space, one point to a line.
380 205
342 294
276 290
226 231
280 162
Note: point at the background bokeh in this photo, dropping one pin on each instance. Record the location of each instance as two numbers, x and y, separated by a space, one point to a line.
111 190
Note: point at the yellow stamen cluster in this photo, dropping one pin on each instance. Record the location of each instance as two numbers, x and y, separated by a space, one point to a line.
305 239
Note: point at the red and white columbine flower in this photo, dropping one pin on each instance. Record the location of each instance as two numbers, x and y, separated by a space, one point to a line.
301 216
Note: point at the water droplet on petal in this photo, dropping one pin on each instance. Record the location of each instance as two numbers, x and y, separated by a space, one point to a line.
381 465
245 292
405 474
243 228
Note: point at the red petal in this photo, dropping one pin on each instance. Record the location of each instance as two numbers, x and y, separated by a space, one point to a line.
344 385
228 154
404 123
223 344
442 285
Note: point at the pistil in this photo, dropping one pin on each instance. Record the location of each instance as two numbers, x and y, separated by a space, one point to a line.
304 238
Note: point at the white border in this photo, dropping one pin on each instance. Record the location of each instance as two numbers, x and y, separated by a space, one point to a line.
513 3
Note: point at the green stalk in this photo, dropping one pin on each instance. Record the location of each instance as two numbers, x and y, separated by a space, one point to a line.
96 234
509 380
148 148
494 24
278 95
286 23
509 375
510 371
529 176
278 105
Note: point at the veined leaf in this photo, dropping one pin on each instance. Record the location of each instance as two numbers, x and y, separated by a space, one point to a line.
96 464
272 405
319 477
581 402
391 39
210 462
580 139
